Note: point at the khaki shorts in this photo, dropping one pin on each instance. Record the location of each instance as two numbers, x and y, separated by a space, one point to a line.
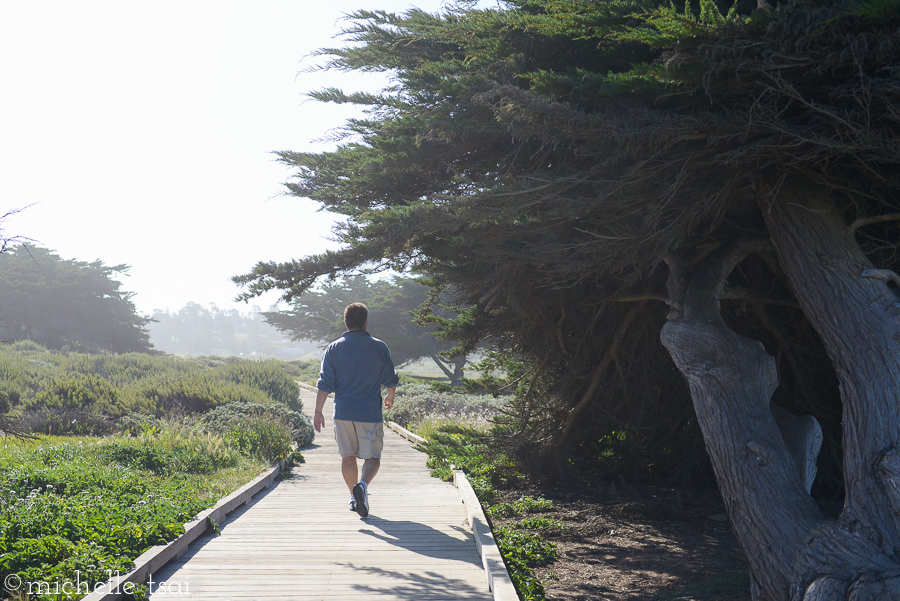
363 439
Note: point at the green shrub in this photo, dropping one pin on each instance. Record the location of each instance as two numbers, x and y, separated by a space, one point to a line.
20 375
269 376
124 370
22 346
192 393
261 438
78 392
172 449
5 405
223 418
419 404
305 370
64 422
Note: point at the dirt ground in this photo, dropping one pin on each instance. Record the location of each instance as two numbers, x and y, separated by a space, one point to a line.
622 543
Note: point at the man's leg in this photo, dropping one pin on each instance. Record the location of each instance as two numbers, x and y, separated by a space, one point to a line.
369 469
371 441
350 470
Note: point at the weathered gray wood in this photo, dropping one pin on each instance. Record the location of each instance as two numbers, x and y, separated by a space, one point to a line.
410 436
158 556
299 540
497 576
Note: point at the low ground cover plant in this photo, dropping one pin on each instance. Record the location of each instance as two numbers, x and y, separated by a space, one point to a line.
524 504
80 509
489 470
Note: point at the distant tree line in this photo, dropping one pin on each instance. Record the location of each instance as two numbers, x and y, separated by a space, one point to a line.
63 303
197 330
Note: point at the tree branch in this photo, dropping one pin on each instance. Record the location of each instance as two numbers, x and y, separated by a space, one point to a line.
640 296
884 275
870 220
608 357
676 285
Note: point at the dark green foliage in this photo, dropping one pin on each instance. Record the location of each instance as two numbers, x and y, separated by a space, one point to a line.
78 393
522 552
536 523
541 159
62 422
527 548
470 450
64 303
525 504
261 437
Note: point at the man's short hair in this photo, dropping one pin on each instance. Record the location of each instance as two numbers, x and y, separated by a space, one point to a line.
355 316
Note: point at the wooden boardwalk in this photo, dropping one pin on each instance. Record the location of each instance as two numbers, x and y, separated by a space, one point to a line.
299 540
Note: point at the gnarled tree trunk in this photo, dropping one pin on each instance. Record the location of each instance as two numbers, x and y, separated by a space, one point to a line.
794 552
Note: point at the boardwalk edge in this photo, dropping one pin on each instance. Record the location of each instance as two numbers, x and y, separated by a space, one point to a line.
498 578
406 433
156 557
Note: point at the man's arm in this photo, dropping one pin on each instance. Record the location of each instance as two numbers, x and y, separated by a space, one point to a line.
389 399
319 418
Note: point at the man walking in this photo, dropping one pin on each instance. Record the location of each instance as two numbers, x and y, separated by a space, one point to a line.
354 368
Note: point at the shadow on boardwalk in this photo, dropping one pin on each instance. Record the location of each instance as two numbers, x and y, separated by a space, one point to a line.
418 586
400 534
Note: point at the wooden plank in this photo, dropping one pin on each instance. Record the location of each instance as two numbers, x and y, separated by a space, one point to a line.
411 437
298 540
158 556
498 578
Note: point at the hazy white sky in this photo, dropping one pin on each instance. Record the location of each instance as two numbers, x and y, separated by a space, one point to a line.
142 134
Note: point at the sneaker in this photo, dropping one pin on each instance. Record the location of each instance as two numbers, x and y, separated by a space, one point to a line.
352 504
361 496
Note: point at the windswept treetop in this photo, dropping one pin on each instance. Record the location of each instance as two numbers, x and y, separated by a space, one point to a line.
590 138
592 178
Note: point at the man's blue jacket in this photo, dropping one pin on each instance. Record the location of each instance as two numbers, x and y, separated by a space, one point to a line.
354 368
